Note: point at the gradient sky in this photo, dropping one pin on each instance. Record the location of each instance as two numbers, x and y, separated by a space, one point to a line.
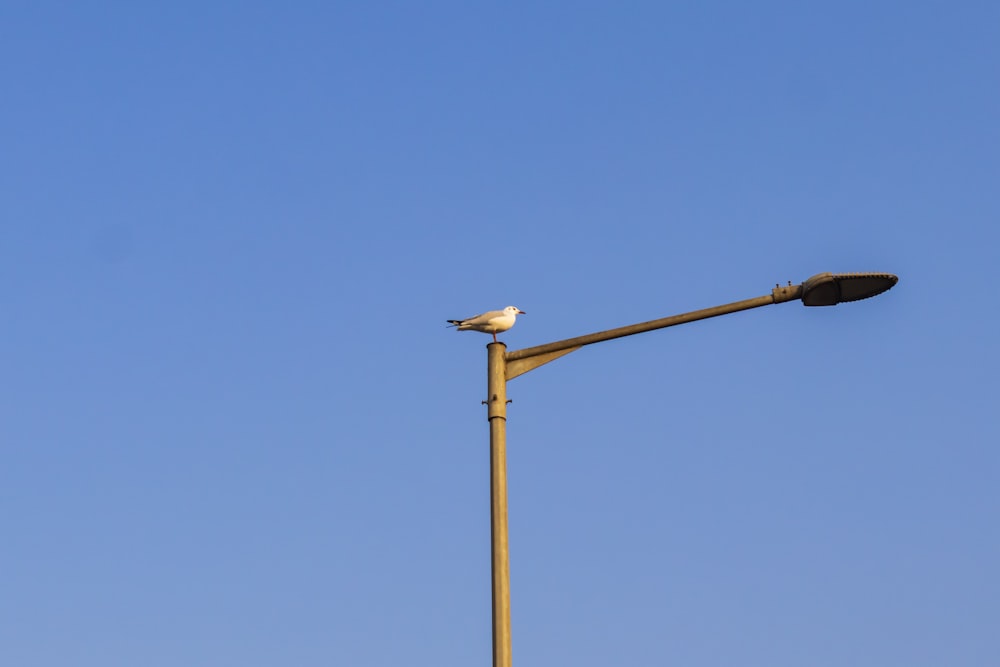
236 431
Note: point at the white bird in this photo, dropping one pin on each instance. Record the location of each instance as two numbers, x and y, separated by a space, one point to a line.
492 322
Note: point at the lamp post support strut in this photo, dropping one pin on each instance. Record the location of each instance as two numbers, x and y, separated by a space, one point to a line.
520 362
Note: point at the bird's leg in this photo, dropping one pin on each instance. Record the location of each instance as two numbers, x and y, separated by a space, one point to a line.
494 336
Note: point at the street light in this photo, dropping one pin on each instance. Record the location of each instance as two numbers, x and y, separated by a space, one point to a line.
829 289
824 289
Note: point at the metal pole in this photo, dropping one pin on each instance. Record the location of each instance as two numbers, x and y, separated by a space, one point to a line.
497 411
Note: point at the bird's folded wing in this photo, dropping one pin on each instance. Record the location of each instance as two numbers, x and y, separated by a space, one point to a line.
485 318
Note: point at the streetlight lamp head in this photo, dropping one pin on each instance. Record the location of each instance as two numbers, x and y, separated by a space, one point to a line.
829 289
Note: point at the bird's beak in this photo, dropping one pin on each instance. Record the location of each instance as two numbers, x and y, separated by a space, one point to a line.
521 312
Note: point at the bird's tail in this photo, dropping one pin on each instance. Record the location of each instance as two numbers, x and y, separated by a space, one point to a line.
454 323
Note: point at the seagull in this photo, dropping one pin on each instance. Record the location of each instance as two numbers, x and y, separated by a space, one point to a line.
492 322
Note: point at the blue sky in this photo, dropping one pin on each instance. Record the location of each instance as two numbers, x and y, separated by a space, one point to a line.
235 430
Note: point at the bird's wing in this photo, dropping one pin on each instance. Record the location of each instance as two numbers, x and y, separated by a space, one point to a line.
483 319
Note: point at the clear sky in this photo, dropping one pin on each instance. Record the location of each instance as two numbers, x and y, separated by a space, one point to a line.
236 431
